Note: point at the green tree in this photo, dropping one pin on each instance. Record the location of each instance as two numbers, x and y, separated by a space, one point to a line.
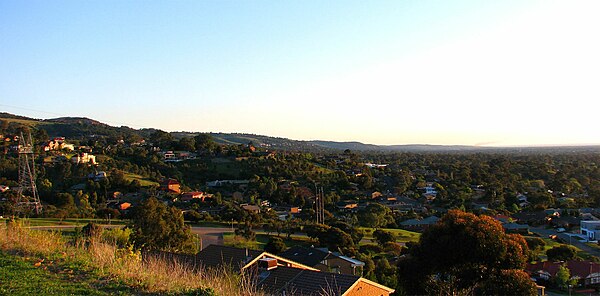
158 227
382 236
561 253
375 215
460 253
275 245
563 279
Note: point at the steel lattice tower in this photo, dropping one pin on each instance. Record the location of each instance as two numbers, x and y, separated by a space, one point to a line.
27 176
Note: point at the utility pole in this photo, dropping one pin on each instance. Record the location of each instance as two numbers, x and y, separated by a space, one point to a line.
27 176
319 205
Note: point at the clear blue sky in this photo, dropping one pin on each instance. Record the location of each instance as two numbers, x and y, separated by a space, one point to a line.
383 72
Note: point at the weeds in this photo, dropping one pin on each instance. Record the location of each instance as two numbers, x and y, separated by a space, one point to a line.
104 258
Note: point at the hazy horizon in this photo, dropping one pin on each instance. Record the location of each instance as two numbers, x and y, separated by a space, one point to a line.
502 74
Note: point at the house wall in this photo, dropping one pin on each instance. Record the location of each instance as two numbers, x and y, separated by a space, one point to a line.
365 289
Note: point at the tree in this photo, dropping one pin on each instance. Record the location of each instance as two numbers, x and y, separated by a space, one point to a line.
561 253
509 282
375 215
460 253
382 236
334 239
158 227
562 279
275 245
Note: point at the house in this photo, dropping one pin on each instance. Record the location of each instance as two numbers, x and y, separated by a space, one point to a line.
4 188
347 205
585 272
124 206
516 228
97 176
58 143
83 158
194 195
251 208
531 218
419 224
590 229
171 185
324 260
216 257
280 276
281 280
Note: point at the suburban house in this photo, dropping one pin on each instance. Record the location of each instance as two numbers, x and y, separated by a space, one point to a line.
195 195
324 260
585 272
171 185
591 229
419 224
276 275
347 205
58 143
83 158
251 208
516 228
281 280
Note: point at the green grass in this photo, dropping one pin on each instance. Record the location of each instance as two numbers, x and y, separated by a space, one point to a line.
145 182
68 221
402 236
20 276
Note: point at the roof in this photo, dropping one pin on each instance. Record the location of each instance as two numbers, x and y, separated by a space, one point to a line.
305 282
353 261
306 256
426 221
581 269
216 256
513 226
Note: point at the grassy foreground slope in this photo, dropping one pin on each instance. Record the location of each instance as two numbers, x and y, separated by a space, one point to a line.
35 261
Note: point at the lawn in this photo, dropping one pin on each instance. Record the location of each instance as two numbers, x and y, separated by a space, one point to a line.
402 236
29 276
68 221
145 182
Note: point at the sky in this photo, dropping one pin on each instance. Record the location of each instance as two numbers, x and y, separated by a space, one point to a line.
490 73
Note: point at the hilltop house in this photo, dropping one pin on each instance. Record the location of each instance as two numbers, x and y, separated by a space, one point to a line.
58 143
280 276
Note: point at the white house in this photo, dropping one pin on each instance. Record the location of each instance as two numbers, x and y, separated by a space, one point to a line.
591 229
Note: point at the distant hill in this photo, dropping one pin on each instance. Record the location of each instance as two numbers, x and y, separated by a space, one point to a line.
81 127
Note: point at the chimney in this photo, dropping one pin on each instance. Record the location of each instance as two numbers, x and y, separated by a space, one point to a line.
267 264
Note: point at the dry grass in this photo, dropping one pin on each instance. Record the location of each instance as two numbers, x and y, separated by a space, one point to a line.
151 275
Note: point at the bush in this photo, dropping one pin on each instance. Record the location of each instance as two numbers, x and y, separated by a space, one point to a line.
561 253
275 245
92 230
117 236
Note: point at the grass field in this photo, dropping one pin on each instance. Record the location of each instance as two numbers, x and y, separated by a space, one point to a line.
143 181
402 236
67 222
21 276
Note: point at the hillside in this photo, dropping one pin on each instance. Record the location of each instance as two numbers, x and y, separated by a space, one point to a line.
83 128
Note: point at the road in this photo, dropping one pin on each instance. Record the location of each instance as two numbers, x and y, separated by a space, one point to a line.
543 232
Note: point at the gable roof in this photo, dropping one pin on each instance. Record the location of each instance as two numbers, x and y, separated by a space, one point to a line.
305 282
237 258
581 269
306 256
216 256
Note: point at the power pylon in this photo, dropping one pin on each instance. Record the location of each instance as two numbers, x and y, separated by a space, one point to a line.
319 205
27 176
